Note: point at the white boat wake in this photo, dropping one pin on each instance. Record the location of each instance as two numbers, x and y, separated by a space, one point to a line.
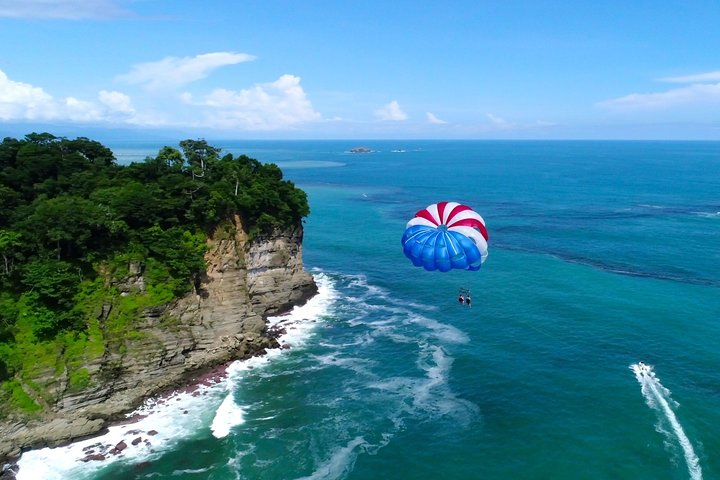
658 398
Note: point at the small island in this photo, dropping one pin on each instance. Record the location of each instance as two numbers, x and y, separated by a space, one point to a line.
361 150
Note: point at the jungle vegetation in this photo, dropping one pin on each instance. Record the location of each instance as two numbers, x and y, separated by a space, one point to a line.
72 218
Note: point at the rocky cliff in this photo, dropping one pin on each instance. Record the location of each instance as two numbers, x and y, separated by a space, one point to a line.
222 320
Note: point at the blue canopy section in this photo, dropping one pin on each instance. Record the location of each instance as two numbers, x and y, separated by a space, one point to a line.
437 248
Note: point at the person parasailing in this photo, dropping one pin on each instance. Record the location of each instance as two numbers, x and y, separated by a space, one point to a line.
445 236
463 295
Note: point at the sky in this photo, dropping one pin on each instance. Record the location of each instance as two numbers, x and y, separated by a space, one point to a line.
342 69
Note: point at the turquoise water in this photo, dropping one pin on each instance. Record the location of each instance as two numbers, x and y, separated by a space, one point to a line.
602 254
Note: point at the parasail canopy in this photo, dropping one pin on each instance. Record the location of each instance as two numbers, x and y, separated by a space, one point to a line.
445 236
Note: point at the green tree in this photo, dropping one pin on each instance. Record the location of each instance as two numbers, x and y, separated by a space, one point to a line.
66 226
8 316
134 203
172 158
54 281
10 243
200 156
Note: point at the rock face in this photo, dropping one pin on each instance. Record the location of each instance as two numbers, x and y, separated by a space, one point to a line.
223 320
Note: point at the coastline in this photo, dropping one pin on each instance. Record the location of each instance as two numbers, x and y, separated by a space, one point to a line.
194 384
79 425
160 418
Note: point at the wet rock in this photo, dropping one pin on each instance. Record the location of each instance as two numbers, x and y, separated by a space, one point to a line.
97 457
9 471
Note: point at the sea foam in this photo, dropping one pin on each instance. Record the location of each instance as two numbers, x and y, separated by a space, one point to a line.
163 421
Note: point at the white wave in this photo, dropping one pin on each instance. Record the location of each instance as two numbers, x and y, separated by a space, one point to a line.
360 366
402 312
368 290
362 340
265 419
437 370
390 331
177 473
180 415
401 315
430 394
658 398
164 422
340 463
440 330
434 394
229 415
302 320
421 306
708 214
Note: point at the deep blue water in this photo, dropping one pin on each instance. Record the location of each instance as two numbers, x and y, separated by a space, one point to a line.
602 254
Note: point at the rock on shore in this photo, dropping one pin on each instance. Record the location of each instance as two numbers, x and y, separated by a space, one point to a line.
223 320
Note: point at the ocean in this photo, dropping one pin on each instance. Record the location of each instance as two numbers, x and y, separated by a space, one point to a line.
601 255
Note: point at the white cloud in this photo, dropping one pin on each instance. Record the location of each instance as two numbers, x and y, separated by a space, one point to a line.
25 102
77 110
431 118
116 101
171 72
697 78
703 89
498 122
391 112
692 94
21 100
18 92
61 9
268 106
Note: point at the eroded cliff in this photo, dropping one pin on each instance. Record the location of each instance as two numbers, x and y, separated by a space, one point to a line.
222 320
